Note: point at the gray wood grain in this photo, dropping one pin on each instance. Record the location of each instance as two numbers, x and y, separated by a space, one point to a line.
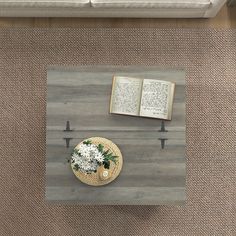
139 169
117 195
150 175
76 134
59 153
123 180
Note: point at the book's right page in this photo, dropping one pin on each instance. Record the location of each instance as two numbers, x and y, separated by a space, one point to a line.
157 99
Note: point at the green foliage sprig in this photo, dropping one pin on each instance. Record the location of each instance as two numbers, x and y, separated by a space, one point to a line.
108 156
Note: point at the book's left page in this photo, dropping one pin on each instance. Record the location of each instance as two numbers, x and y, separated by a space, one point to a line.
126 95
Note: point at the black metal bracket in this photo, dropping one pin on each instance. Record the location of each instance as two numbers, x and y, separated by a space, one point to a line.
67 142
163 142
68 129
163 127
163 130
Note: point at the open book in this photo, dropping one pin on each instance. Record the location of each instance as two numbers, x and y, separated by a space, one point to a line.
142 97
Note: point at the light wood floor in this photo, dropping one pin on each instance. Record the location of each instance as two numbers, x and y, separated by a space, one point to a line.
226 18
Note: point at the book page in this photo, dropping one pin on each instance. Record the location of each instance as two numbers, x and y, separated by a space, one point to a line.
126 94
156 98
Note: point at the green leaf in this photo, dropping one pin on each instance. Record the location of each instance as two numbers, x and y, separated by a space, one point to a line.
110 157
75 151
87 142
76 167
106 164
100 148
105 153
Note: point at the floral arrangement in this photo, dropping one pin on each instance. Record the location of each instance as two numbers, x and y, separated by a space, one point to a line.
88 157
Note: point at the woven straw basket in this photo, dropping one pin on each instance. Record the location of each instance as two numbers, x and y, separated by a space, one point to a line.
98 178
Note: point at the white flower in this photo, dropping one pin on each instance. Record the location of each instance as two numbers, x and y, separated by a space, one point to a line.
85 166
87 158
75 157
84 150
99 157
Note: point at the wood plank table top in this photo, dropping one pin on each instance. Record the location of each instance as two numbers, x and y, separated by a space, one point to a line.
153 150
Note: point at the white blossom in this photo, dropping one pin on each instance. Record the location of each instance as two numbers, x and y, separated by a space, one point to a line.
99 157
87 158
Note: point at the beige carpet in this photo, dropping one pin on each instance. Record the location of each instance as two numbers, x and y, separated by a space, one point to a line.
209 57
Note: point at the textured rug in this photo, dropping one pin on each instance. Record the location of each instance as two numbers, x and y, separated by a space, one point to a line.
209 57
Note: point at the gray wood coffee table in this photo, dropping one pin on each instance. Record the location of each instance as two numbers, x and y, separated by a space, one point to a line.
154 151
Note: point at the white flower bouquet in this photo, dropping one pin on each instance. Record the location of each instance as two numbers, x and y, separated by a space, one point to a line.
88 157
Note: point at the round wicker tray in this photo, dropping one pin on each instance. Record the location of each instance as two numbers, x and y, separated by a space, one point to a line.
102 176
